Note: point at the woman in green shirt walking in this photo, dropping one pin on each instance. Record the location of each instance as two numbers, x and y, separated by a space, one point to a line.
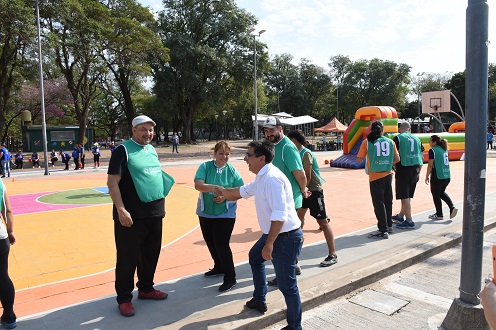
217 215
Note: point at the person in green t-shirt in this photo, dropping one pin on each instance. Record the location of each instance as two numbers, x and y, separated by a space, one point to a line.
287 159
439 171
217 215
315 202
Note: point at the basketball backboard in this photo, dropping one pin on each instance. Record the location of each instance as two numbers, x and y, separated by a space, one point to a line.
436 102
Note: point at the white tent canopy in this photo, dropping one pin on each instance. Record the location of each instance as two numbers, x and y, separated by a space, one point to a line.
303 123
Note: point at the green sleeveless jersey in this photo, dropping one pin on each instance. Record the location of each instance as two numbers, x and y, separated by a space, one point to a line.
381 154
150 181
441 163
410 149
316 180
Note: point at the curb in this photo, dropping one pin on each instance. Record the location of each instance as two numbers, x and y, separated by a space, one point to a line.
319 289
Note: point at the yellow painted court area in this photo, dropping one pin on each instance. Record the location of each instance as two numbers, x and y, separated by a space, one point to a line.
62 244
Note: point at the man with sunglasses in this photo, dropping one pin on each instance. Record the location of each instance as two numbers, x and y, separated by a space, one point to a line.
288 160
282 237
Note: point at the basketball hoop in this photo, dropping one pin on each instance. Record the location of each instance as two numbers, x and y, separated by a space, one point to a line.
435 103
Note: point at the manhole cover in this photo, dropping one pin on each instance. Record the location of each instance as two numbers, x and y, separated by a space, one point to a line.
378 302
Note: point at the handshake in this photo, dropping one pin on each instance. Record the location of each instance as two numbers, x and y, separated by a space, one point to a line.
222 194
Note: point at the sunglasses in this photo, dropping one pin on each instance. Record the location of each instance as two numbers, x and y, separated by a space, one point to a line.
248 155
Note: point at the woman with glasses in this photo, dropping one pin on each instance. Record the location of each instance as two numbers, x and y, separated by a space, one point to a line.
217 215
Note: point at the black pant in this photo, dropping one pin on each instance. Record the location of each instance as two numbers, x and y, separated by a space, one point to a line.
138 248
217 234
438 187
76 162
7 291
381 191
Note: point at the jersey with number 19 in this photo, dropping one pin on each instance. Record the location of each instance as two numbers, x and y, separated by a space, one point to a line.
381 154
383 148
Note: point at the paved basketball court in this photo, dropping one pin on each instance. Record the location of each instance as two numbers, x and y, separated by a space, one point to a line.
65 251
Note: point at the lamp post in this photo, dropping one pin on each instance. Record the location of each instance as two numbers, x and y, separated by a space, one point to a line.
418 98
216 130
42 92
337 101
225 126
255 121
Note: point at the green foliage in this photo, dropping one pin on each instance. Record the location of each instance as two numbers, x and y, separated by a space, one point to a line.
17 31
209 49
131 44
364 82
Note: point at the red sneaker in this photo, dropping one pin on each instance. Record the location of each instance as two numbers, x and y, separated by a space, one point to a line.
155 295
126 309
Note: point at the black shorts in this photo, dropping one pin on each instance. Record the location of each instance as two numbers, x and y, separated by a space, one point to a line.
316 205
406 181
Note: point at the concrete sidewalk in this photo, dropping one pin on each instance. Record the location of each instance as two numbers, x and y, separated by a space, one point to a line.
195 303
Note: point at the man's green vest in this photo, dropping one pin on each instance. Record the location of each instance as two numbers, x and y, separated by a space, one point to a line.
150 181
410 149
441 163
381 154
315 165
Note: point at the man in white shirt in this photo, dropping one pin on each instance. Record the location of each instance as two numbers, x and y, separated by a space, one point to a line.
282 237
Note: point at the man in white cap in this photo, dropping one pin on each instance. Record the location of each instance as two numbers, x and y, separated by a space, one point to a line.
288 160
136 186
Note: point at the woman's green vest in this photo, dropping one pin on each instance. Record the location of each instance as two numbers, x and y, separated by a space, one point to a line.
441 163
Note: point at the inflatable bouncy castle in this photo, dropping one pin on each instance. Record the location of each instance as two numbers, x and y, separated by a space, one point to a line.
359 129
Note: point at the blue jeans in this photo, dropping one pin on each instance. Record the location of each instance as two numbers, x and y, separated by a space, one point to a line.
6 167
287 248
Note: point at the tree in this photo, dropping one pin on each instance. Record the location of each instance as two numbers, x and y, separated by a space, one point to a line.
17 30
457 86
209 49
130 44
75 29
374 82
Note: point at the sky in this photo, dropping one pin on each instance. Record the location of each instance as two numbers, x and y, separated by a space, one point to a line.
427 35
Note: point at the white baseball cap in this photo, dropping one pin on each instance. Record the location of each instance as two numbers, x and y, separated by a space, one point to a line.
141 120
272 122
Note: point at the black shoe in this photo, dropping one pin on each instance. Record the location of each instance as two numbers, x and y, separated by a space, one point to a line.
227 285
3 176
9 322
214 272
262 308
287 328
329 261
298 270
272 282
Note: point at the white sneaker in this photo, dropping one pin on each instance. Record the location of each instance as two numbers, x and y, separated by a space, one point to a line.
453 212
435 217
